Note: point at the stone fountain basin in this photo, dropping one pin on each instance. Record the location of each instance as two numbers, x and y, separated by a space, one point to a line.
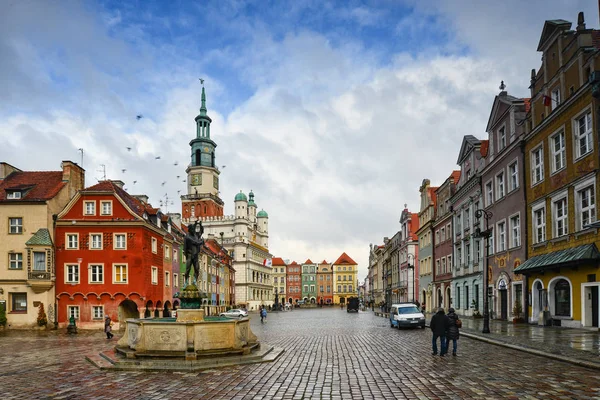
169 338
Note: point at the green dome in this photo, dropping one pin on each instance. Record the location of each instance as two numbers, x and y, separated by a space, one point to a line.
251 201
262 214
241 197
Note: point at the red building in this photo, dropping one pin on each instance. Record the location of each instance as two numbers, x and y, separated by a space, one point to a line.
294 283
324 283
114 255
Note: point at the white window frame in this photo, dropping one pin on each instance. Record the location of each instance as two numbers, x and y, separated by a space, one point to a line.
154 242
541 227
556 219
500 186
537 167
13 195
91 238
514 231
555 98
167 278
73 311
491 248
95 315
501 238
556 167
513 175
587 135
18 225
116 241
102 204
85 207
502 138
589 183
76 272
16 261
489 193
120 266
154 275
68 242
175 280
91 273
167 252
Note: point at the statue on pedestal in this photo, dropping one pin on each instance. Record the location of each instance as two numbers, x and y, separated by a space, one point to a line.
191 248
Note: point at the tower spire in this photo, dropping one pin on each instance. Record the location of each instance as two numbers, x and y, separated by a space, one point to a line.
203 106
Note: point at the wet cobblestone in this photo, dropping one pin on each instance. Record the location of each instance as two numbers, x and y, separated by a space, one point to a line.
328 354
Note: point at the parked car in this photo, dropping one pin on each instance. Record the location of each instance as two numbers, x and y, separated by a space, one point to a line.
234 313
406 315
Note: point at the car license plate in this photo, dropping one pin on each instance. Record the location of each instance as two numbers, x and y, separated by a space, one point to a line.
414 322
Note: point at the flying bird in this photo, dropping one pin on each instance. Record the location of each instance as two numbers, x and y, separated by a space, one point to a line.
183 181
178 176
223 166
123 170
176 163
157 158
134 182
179 191
163 184
128 148
139 116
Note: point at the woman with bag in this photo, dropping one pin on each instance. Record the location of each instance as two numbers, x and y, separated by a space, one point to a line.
453 330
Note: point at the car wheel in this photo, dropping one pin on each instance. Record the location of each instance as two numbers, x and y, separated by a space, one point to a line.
391 325
241 316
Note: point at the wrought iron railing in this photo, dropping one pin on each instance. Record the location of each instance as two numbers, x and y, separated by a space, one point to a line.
39 275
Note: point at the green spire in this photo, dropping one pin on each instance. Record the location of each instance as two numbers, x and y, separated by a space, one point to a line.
203 106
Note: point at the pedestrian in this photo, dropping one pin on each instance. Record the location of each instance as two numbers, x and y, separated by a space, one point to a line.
439 326
453 331
108 327
263 314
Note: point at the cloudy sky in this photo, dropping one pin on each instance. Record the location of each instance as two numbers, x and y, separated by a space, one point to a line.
331 112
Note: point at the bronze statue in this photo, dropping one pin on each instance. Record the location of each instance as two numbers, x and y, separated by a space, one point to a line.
191 248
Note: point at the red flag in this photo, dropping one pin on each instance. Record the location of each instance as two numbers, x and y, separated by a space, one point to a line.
547 101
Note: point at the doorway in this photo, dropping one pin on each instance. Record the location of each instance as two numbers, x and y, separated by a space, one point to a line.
503 304
594 306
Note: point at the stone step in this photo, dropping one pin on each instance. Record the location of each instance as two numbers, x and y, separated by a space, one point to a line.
99 361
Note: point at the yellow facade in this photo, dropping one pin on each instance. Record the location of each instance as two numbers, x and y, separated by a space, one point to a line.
345 282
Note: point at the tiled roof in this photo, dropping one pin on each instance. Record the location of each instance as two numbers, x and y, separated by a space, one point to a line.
136 205
278 261
36 185
294 263
344 259
308 262
455 175
484 147
40 238
572 256
324 262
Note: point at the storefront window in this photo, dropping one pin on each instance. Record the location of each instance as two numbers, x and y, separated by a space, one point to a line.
562 298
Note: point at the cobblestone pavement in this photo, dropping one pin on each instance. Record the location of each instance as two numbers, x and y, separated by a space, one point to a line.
328 354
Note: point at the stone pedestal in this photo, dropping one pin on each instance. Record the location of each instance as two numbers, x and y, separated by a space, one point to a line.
190 315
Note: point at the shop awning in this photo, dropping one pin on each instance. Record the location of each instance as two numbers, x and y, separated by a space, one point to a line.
563 258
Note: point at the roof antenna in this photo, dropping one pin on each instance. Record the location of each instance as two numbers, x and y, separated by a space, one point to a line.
103 170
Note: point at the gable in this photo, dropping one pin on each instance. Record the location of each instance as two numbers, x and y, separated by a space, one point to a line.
469 143
75 210
551 29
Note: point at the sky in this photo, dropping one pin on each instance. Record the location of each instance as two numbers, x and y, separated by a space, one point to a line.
332 113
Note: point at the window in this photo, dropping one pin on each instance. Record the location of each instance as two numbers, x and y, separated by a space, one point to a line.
72 241
167 278
489 193
539 225
560 217
13 195
154 276
500 186
477 251
515 231
89 208
537 165
513 175
120 241
458 223
559 154
443 265
345 288
106 207
555 101
275 280
15 260
73 312
491 243
72 273
339 288
458 255
19 302
154 245
443 234
39 261
312 288
449 263
167 252
502 138
175 280
468 253
562 298
120 273
96 241
98 312
437 236
438 266
583 135
467 218
586 207
15 226
96 273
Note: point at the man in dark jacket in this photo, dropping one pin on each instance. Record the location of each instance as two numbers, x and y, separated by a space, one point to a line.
453 333
439 326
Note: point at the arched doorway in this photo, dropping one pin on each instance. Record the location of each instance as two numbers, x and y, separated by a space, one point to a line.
175 304
158 309
290 300
440 299
447 298
537 300
503 294
561 297
167 309
313 300
149 306
127 309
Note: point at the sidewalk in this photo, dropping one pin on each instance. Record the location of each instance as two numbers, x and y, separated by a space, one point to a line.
576 346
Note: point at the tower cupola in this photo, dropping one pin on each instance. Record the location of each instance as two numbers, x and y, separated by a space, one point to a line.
203 147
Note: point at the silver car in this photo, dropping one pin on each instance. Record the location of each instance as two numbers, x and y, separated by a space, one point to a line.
234 313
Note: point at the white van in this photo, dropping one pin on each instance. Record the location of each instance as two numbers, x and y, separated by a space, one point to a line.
406 315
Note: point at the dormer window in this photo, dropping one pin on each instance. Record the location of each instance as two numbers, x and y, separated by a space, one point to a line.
13 194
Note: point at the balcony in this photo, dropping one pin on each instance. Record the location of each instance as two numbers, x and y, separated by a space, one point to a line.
40 281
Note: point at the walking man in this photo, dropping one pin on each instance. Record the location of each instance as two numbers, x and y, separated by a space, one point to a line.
107 327
439 326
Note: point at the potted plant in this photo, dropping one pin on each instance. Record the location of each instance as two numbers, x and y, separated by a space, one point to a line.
517 312
42 320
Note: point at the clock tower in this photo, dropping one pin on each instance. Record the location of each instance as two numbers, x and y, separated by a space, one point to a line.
202 198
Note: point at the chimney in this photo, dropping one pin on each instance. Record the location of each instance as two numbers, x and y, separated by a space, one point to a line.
7 169
74 175
118 183
176 218
141 197
581 21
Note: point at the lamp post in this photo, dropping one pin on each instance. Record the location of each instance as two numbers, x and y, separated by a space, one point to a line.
410 256
486 235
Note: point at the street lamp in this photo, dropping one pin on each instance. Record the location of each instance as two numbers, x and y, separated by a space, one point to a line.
486 235
410 256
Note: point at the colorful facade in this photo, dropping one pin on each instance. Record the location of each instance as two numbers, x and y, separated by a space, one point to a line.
279 279
294 282
345 278
309 282
426 243
324 283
